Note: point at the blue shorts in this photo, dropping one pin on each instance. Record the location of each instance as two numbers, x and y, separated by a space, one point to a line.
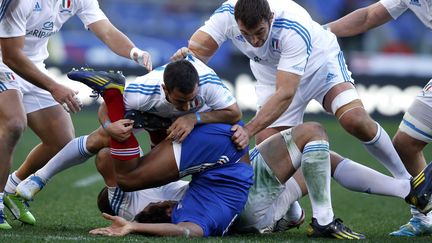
215 197
208 145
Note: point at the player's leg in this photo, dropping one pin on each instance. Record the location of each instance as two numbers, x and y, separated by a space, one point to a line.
74 153
344 102
12 125
414 133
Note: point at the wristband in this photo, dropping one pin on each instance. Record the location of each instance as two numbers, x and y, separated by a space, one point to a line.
106 123
132 52
198 117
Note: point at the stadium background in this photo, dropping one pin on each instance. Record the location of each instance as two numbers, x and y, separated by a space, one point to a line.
390 65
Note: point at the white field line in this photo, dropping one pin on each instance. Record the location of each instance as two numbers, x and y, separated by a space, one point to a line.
87 181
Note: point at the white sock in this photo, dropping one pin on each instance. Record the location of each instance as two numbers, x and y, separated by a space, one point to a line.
315 164
74 153
12 183
290 195
426 219
294 212
359 178
382 149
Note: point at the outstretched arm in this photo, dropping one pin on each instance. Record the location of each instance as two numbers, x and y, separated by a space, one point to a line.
119 43
360 20
201 45
121 227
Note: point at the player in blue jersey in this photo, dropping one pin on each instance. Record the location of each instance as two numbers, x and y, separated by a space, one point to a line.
180 94
274 189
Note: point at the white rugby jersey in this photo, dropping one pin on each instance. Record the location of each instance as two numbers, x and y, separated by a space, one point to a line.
129 204
421 8
37 20
146 93
295 44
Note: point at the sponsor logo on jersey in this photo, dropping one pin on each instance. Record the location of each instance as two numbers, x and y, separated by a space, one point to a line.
415 2
257 59
240 38
48 26
37 7
40 33
330 76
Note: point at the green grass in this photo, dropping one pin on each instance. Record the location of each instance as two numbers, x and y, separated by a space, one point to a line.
66 212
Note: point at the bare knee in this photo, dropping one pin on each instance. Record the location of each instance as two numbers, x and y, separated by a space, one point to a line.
359 124
313 131
12 129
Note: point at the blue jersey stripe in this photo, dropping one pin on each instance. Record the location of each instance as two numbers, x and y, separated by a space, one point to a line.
3 8
304 34
225 8
296 23
342 66
141 92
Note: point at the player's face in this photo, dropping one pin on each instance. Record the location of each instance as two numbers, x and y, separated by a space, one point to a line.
256 36
181 101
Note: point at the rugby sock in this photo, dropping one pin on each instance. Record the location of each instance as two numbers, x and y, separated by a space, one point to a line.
359 178
315 164
293 192
382 149
74 153
128 149
12 183
295 211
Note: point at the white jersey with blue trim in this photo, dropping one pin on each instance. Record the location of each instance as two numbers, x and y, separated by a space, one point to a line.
128 204
146 93
37 20
421 8
295 44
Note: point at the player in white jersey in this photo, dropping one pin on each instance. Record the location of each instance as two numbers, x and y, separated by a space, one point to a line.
415 130
294 61
272 192
158 92
28 95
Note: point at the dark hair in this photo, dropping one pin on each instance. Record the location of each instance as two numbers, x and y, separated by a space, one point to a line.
103 202
181 75
252 12
155 213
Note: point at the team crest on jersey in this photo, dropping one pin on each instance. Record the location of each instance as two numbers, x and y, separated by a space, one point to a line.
428 87
275 44
37 7
240 38
197 103
66 4
9 76
415 2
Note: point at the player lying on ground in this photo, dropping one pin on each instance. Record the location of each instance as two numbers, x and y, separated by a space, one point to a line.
275 188
186 91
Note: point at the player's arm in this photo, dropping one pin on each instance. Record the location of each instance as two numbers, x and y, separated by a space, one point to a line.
201 45
119 43
183 125
360 20
286 86
121 227
119 130
15 59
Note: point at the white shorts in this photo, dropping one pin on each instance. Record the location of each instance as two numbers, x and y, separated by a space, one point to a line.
34 98
417 121
314 86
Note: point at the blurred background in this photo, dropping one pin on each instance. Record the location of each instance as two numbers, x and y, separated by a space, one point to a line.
390 64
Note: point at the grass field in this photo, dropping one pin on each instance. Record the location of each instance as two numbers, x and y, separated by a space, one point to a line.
66 209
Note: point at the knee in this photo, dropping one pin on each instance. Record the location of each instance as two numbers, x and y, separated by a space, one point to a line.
315 131
14 128
358 123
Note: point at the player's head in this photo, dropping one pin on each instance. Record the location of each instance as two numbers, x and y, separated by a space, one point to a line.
103 202
180 84
254 18
159 212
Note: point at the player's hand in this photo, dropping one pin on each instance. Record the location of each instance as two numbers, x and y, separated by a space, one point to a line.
240 137
181 127
120 130
180 54
141 57
119 227
66 97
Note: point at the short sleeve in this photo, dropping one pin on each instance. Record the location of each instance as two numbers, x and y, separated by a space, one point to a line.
13 17
394 7
295 52
90 12
218 25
